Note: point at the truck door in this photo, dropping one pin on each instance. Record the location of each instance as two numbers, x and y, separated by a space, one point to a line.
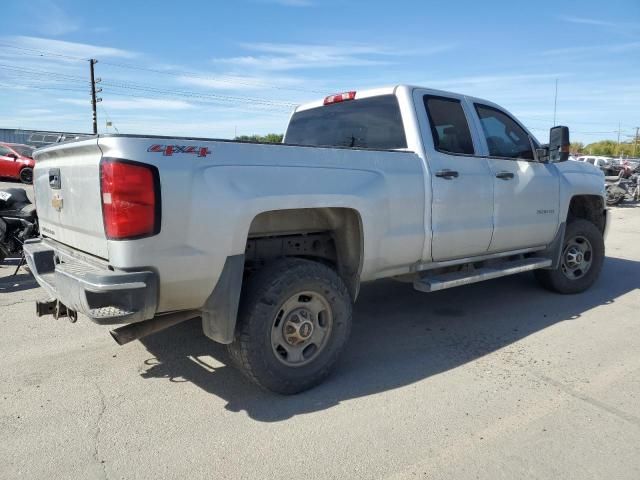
526 192
460 180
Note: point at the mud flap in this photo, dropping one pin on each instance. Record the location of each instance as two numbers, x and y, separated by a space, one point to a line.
554 250
220 311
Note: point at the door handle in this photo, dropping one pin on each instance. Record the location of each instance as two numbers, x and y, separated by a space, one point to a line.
446 173
504 175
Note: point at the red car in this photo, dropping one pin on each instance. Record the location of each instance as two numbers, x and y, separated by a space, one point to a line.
16 162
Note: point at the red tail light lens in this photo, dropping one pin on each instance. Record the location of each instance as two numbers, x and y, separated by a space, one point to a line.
130 199
339 97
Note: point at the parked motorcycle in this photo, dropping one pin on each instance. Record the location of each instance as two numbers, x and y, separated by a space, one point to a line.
620 188
18 222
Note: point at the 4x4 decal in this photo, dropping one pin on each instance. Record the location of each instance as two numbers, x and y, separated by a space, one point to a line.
169 150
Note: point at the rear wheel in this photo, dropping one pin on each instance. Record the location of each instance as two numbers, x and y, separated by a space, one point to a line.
614 195
580 262
26 175
294 321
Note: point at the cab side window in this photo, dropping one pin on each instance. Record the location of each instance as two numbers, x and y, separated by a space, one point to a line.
4 151
449 125
505 138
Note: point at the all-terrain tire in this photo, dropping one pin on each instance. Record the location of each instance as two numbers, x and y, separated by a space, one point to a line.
556 280
263 297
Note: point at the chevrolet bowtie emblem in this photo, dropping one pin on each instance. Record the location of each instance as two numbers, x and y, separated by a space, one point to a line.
56 202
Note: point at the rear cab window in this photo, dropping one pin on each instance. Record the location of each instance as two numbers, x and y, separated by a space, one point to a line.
449 126
372 122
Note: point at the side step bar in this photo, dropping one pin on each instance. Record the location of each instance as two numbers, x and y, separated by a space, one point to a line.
455 279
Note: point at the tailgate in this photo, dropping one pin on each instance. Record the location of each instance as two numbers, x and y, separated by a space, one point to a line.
66 180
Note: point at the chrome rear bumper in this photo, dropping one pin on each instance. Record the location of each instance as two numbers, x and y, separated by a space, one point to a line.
104 295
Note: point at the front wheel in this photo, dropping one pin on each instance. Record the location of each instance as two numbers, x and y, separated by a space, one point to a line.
26 175
294 321
580 262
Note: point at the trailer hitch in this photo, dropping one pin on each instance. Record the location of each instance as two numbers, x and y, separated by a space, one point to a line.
55 308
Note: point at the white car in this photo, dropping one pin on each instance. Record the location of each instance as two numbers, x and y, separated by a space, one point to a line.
603 163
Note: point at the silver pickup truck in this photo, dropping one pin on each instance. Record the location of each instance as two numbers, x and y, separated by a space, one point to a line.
268 243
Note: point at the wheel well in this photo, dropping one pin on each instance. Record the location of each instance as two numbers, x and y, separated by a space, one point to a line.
330 235
588 207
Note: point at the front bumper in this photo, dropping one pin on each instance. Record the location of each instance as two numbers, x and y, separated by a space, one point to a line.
104 295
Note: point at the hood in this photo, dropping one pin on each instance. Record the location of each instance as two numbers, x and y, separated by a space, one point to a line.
579 167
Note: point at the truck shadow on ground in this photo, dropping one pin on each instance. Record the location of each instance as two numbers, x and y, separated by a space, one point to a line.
400 336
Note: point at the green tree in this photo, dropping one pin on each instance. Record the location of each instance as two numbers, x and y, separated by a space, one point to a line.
268 138
576 147
611 148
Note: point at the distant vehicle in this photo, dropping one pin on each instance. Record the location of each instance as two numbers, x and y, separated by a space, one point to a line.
626 186
16 161
42 139
18 221
605 164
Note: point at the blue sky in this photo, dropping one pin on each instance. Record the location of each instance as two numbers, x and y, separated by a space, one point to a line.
217 68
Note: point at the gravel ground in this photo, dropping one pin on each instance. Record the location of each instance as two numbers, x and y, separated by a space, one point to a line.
494 380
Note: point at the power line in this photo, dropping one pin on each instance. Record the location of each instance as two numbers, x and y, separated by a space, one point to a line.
150 88
232 80
41 87
41 53
32 71
243 108
577 131
191 94
536 118
264 109
104 110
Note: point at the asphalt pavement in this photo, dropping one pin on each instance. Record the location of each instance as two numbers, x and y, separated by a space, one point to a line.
500 379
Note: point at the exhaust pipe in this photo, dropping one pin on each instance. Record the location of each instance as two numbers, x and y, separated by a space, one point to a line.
134 331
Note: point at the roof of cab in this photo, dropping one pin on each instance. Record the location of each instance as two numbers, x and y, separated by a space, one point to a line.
388 90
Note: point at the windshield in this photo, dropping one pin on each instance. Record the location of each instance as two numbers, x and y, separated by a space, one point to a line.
373 122
23 150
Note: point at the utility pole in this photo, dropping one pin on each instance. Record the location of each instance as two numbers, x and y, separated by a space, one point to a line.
94 90
618 145
635 143
555 104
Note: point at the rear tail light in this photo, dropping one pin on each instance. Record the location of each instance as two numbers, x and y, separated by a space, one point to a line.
130 199
339 97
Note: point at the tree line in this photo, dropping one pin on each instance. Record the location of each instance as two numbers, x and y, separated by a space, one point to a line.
268 138
607 148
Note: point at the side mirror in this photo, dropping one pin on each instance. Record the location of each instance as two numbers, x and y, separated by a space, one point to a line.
12 155
559 144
